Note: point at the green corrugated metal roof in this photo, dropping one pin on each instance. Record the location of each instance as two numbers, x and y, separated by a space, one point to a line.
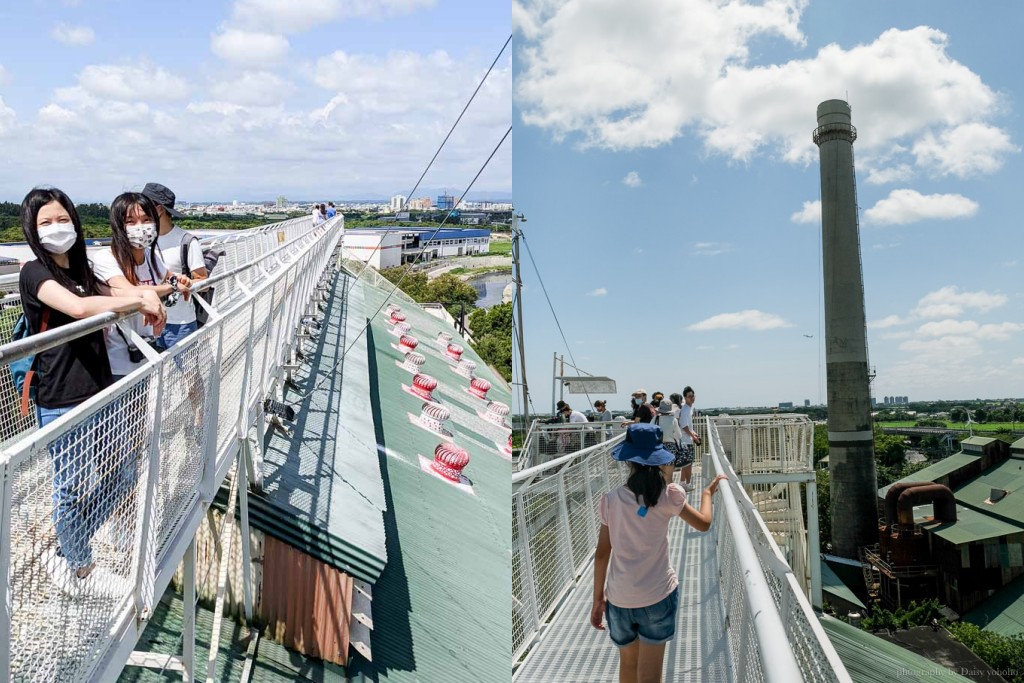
274 663
977 440
1008 475
1003 613
870 659
970 525
1018 444
322 491
939 469
441 606
830 583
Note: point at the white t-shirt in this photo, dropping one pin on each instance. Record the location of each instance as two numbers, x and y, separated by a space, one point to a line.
576 416
105 266
669 428
685 420
169 246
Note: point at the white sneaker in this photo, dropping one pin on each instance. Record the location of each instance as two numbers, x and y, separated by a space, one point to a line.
61 575
101 582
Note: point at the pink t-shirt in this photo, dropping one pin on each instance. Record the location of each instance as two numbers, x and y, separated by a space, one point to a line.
639 572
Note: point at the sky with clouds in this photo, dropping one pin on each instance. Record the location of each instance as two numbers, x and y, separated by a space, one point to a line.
665 165
249 99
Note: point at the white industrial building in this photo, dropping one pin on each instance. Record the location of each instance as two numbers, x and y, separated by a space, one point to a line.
394 246
379 248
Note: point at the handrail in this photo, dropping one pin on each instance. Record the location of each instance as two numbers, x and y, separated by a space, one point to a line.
42 341
776 653
528 474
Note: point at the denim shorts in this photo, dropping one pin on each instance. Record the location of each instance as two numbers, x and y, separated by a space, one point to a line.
653 624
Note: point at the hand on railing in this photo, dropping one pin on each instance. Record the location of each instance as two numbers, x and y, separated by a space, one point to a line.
153 311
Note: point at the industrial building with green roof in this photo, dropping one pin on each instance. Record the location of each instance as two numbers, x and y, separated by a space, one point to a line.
982 550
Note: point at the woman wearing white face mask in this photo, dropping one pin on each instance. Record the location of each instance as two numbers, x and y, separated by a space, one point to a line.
57 288
133 265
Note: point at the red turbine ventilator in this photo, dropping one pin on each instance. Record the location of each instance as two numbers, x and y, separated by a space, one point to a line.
454 351
479 387
443 338
423 386
392 308
413 362
407 343
433 417
449 461
401 328
397 317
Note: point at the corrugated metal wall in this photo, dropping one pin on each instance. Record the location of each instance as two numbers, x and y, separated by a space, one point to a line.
300 602
305 604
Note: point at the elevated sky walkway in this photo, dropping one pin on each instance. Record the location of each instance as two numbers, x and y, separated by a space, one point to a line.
744 614
143 460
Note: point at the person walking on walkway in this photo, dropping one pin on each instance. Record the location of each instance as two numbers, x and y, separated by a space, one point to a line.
635 586
687 438
666 419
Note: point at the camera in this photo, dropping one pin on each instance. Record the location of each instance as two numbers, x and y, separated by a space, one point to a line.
136 355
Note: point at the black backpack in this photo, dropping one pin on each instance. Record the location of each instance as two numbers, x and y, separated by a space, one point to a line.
210 256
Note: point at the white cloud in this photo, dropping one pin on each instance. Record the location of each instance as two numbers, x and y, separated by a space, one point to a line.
5 75
600 291
132 83
249 48
749 320
73 35
969 328
288 16
885 245
252 88
119 123
942 350
711 248
1018 361
886 322
628 76
705 347
968 149
632 179
892 174
949 301
7 118
909 206
810 213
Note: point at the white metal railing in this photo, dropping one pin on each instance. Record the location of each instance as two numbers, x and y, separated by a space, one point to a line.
554 532
545 442
768 443
773 632
121 480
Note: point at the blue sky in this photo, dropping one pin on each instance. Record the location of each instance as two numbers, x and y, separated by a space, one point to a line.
248 99
665 166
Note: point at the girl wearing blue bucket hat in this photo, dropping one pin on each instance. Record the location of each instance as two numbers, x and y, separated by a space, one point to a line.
635 585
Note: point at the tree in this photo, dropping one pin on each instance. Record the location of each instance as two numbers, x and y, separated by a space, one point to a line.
958 414
820 442
890 449
824 509
492 332
451 291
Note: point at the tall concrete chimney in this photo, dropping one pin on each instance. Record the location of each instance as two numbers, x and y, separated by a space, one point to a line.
850 437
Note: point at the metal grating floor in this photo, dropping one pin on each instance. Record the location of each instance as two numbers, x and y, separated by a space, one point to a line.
572 651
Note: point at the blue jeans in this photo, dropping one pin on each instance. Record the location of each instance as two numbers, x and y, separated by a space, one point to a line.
173 334
653 624
94 470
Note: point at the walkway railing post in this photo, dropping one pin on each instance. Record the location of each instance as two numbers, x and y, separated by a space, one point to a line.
527 558
6 603
146 570
207 487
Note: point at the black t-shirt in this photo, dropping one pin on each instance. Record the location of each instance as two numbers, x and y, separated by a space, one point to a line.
644 411
70 373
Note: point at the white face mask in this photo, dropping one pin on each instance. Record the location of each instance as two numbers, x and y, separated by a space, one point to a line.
141 235
57 238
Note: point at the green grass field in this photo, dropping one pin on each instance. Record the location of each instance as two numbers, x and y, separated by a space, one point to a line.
986 427
502 248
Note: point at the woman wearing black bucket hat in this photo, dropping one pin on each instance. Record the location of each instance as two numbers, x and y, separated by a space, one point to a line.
635 585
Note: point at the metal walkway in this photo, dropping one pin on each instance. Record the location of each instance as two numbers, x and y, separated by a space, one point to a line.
573 651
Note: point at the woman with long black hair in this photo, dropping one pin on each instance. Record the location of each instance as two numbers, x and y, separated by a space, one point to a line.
635 585
133 265
58 287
